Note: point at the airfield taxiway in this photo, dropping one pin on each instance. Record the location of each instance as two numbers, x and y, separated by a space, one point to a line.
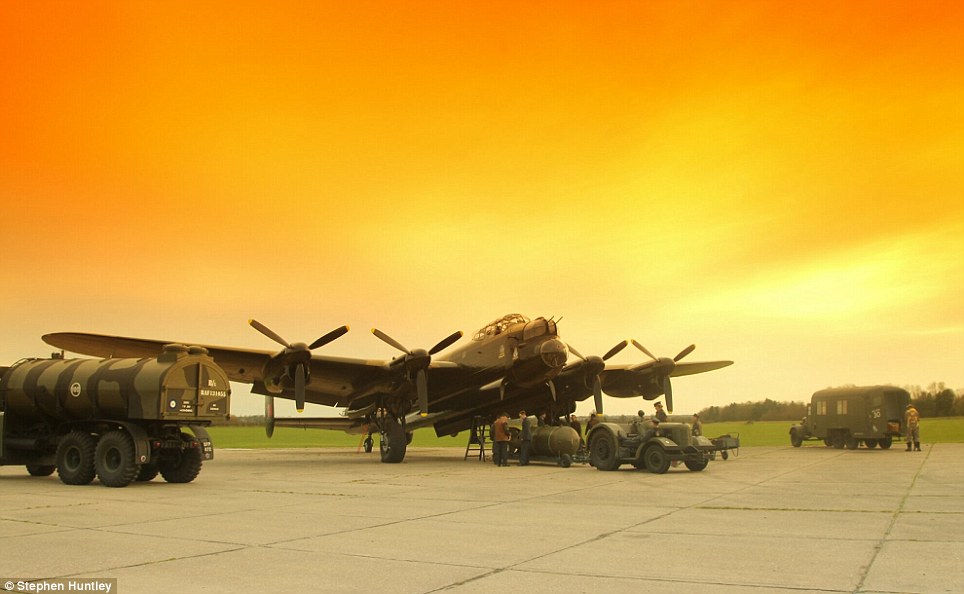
773 519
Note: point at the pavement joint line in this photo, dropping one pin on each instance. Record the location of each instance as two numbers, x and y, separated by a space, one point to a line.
893 521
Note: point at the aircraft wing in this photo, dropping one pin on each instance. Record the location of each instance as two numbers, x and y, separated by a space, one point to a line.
334 381
647 379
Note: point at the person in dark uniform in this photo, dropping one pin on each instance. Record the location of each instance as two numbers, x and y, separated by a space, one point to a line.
697 425
660 413
526 439
574 423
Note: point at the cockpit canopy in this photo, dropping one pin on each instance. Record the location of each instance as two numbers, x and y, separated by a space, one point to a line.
501 325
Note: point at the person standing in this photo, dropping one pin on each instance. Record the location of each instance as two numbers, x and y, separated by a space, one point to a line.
500 440
660 413
697 425
526 439
912 423
574 423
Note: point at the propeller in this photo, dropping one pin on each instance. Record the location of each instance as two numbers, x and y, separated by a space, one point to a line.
417 361
296 356
599 363
666 367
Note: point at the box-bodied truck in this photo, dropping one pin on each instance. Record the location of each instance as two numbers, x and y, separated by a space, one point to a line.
847 417
120 420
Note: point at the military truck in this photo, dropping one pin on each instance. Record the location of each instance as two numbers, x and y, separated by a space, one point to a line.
118 419
847 417
637 443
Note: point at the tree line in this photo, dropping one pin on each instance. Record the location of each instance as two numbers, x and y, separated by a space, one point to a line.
936 400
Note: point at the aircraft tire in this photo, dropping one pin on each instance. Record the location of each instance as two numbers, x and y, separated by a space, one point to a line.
114 459
75 458
656 459
393 443
184 467
40 469
603 452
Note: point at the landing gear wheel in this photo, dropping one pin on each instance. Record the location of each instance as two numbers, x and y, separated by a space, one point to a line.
655 459
40 469
603 452
184 466
114 459
393 442
75 458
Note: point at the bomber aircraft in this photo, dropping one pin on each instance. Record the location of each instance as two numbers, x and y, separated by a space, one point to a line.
513 363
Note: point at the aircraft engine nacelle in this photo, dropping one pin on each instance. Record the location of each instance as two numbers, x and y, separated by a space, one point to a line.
536 362
181 384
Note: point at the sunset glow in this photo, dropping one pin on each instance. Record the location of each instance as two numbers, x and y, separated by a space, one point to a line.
780 183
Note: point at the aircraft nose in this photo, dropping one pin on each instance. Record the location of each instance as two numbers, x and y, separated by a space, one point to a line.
554 353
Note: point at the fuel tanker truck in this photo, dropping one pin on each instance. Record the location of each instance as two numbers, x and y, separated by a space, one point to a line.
118 419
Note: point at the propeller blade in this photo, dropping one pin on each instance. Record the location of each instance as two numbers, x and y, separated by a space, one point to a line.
268 332
445 343
301 374
642 348
597 394
269 416
575 352
668 394
421 387
552 389
612 352
336 333
390 341
684 352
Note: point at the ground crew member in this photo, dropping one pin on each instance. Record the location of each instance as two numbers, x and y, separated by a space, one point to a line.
912 422
526 438
660 413
697 425
500 440
574 423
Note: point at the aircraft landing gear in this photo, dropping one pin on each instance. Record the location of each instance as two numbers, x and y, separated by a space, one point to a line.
393 441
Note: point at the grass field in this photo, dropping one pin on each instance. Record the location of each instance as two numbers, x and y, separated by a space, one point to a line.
771 433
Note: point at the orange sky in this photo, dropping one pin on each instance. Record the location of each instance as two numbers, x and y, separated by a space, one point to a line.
780 183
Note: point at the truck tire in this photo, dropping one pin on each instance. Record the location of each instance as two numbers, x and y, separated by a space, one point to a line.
114 459
697 465
656 459
40 469
75 458
147 473
184 466
852 442
795 439
885 443
603 452
871 443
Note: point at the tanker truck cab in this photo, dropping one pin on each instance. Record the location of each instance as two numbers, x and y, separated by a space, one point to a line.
120 420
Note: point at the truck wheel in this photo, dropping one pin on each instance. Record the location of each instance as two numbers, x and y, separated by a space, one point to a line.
697 465
40 469
184 466
795 440
852 442
114 459
602 451
838 441
885 443
147 473
871 443
656 459
75 458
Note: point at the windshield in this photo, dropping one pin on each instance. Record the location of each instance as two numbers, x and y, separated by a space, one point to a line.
501 325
